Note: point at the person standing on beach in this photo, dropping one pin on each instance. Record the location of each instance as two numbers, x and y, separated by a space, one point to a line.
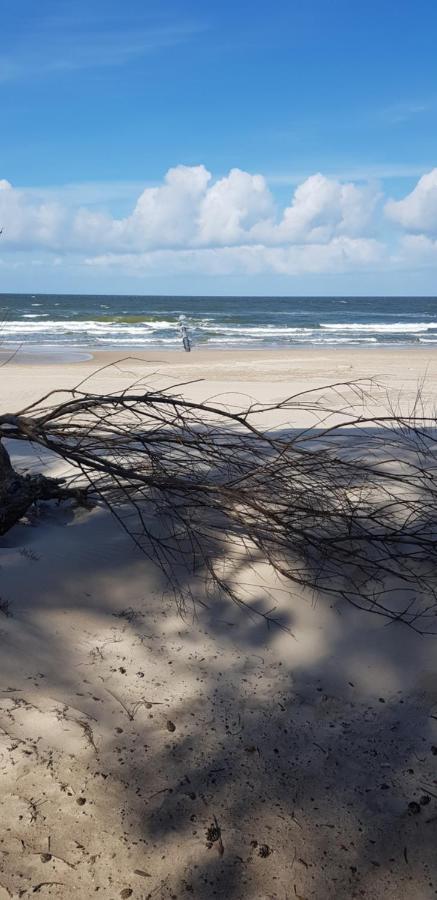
184 334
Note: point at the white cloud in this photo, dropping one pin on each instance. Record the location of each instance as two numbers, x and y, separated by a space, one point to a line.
418 249
323 208
189 209
163 216
418 210
191 222
186 210
168 215
27 223
233 207
340 255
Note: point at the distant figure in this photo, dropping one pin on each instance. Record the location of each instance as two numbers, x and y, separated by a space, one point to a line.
184 334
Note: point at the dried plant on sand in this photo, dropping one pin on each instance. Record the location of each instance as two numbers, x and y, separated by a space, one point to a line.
345 506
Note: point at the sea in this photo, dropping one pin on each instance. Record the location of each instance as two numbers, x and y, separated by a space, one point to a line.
43 321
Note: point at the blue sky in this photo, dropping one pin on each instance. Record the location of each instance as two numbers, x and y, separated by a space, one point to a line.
99 100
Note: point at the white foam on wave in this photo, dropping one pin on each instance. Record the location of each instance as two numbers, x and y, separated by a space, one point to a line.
36 329
381 327
68 326
254 330
342 340
175 339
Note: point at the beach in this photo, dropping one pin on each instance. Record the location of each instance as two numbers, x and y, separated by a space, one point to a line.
149 754
218 450
402 370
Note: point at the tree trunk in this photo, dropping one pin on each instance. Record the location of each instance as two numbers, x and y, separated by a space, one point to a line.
19 492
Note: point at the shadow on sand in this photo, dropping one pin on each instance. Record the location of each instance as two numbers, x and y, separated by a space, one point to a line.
149 755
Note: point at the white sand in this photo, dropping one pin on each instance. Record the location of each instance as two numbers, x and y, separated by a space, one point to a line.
312 745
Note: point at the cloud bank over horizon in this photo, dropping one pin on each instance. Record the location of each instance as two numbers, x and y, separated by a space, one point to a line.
194 223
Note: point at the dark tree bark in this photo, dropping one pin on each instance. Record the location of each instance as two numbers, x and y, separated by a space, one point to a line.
19 492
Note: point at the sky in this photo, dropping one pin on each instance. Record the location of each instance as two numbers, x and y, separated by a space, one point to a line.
283 147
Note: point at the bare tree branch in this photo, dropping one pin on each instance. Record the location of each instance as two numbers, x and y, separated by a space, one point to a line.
346 506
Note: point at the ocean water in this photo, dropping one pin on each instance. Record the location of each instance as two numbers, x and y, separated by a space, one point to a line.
133 322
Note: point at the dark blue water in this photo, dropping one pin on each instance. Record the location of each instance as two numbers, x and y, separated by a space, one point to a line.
218 322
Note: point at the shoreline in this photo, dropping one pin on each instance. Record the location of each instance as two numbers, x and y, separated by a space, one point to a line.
33 355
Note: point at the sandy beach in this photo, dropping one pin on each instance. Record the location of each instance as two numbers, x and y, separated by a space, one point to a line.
148 755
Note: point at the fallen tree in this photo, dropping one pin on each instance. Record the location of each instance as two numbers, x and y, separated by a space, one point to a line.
346 506
19 492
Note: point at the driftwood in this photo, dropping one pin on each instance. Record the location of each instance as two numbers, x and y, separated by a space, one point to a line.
19 492
347 506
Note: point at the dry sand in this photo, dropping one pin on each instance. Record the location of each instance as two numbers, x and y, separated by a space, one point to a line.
126 732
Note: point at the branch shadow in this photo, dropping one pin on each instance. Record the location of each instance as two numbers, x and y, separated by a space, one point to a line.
215 756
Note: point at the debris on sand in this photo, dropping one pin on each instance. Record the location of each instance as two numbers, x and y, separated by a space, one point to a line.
214 836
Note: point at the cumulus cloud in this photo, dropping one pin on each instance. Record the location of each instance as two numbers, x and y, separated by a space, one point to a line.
323 208
168 215
163 216
187 210
190 209
417 212
192 221
233 207
27 223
